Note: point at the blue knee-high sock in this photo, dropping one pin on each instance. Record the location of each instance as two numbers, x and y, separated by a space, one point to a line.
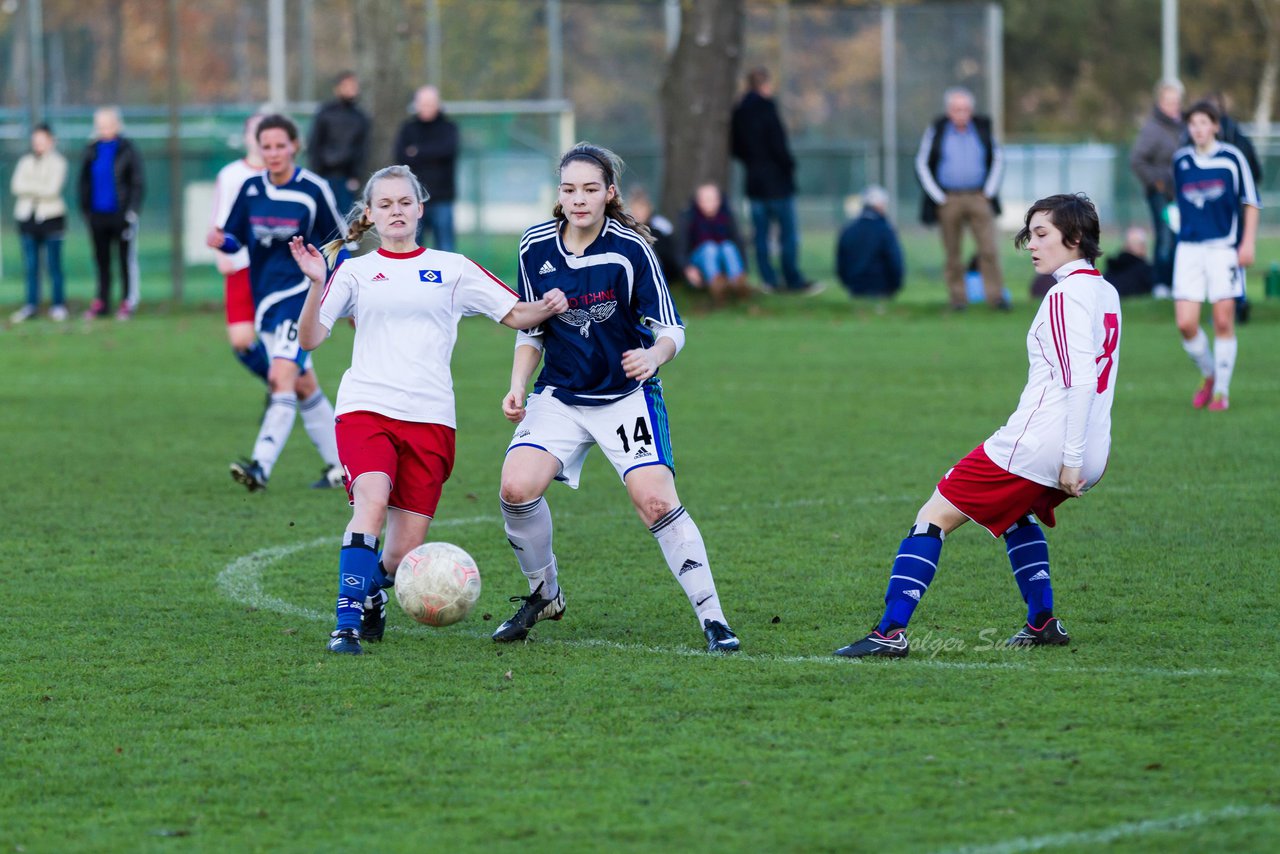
381 580
255 360
356 564
913 570
1029 558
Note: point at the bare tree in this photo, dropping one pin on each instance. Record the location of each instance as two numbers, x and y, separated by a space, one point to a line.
697 98
382 36
1269 17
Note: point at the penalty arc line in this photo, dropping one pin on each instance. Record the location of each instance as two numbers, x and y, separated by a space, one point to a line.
241 581
1106 835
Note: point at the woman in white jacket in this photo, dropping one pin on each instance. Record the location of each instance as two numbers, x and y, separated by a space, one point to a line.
41 215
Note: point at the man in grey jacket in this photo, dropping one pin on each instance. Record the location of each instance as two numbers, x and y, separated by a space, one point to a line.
1151 159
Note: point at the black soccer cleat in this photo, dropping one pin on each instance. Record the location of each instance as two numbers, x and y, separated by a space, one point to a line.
892 645
720 638
533 608
250 474
1050 633
330 478
373 620
346 641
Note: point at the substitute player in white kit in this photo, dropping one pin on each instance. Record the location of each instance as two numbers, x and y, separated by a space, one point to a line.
395 409
1218 211
1053 447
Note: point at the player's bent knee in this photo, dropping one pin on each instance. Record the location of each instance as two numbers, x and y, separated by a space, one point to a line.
518 490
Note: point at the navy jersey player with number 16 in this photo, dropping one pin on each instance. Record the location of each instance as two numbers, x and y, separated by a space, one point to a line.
598 386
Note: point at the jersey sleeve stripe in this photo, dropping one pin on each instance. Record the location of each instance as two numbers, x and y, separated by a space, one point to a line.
1058 325
501 283
666 306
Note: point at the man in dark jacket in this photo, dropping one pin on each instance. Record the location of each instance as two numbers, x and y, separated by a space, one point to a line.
869 256
1151 159
111 187
959 164
428 144
760 142
338 141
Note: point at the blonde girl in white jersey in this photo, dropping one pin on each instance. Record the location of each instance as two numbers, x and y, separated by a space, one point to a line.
395 409
1053 447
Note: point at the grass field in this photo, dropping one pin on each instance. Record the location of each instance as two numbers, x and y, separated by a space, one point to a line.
166 686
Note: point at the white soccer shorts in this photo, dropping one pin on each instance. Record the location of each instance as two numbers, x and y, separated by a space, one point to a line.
631 431
1207 273
282 343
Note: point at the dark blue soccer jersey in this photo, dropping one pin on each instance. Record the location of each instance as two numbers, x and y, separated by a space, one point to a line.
616 291
1211 189
264 218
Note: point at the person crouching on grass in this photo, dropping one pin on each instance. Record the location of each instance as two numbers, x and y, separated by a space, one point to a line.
1052 448
395 410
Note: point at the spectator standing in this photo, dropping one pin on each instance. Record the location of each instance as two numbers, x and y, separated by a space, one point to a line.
428 144
759 140
111 189
959 165
868 254
41 215
339 139
1151 160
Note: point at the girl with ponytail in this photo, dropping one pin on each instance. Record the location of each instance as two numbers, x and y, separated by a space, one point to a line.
395 410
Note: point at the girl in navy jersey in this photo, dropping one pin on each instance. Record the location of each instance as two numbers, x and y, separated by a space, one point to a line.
395 411
598 386
272 207
1218 210
1054 447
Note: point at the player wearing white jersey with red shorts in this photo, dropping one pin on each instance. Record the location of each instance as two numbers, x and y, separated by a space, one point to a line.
1053 447
234 268
395 409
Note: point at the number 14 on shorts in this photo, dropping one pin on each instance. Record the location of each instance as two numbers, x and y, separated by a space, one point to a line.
639 434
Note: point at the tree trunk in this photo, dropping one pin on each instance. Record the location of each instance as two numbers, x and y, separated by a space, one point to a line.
698 91
1269 18
386 89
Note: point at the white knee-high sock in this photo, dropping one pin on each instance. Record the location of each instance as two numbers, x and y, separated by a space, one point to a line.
277 424
529 531
1198 349
686 555
317 420
1224 362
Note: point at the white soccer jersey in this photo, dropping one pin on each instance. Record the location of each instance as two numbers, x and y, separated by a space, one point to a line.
407 307
225 189
1064 415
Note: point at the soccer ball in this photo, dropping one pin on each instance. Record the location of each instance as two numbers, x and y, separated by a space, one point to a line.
437 584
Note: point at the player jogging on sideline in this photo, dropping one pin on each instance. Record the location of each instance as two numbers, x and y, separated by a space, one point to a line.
1218 210
598 386
1053 447
241 334
395 422
271 208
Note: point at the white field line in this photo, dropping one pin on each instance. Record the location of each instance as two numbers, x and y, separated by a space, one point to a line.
241 581
1107 835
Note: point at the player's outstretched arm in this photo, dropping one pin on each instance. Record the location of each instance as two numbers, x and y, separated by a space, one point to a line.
524 363
526 315
311 332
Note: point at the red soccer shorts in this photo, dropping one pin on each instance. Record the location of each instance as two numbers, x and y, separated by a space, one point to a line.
417 457
995 498
239 299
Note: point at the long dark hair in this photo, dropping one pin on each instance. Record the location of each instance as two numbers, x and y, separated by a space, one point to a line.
610 166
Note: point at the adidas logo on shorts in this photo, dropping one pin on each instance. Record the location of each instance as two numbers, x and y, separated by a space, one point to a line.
546 268
641 453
